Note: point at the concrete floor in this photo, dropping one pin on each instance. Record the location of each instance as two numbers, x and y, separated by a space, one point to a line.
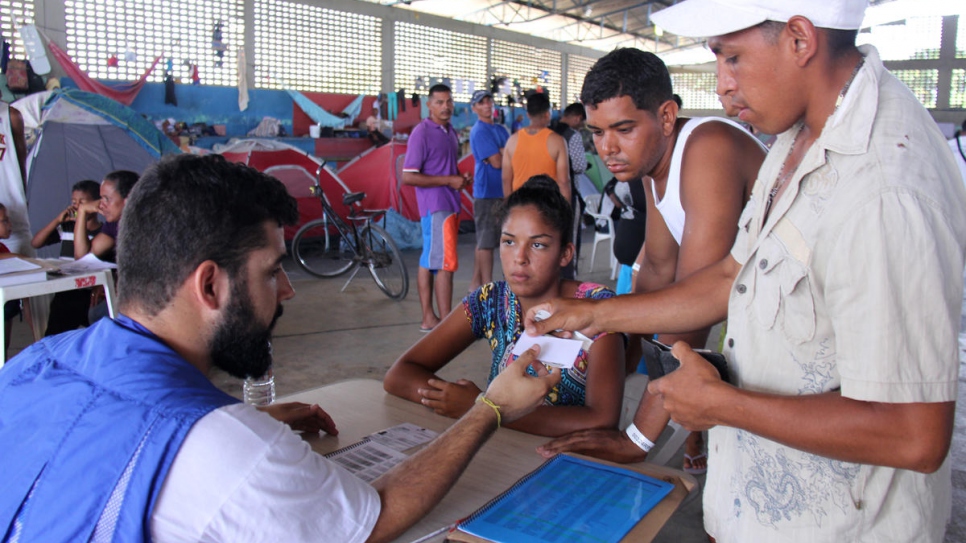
326 336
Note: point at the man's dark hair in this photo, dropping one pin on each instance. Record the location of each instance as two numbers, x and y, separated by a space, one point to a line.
439 87
188 209
839 42
89 187
677 100
537 104
628 72
123 180
543 193
576 109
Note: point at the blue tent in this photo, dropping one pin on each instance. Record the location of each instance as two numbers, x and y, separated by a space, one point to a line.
85 136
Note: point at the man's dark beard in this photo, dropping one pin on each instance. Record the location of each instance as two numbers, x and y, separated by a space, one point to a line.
240 345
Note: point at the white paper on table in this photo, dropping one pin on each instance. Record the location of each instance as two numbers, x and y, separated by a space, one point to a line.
403 436
88 263
554 351
14 265
367 459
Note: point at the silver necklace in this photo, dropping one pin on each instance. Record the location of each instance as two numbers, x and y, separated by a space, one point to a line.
783 175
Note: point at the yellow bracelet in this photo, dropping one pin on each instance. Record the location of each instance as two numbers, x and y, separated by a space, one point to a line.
496 408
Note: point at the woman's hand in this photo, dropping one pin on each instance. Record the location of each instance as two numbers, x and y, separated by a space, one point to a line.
88 207
449 399
68 214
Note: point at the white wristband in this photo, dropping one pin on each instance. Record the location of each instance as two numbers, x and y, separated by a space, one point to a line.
636 267
638 438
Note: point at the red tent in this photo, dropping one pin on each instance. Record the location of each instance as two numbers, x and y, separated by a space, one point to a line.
378 172
296 170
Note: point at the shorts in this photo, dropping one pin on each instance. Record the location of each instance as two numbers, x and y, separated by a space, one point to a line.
484 215
440 232
625 280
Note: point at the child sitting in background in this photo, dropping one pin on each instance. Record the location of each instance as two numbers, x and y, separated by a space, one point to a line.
68 309
536 223
61 228
12 308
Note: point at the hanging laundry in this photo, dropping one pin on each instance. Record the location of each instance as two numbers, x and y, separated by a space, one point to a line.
169 96
112 61
195 77
217 44
130 56
242 81
124 94
416 100
392 107
401 99
472 87
4 56
459 86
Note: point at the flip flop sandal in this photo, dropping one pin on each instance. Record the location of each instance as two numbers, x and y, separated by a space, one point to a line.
693 470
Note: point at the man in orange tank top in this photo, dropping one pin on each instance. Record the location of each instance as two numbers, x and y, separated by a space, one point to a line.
536 150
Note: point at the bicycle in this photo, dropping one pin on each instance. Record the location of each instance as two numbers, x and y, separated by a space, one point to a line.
328 247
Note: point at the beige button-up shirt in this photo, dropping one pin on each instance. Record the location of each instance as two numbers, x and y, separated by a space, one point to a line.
852 283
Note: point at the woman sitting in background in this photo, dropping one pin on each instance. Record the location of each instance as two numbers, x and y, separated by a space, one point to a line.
536 224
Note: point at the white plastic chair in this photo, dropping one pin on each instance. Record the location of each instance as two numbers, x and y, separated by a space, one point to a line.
593 209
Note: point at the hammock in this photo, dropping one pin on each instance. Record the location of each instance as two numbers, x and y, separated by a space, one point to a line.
124 94
323 117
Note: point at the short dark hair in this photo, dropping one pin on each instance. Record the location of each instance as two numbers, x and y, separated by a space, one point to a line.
188 209
123 180
543 193
439 87
538 103
677 100
89 187
839 41
576 108
628 72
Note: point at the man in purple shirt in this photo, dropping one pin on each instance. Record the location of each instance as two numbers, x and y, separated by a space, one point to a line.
431 166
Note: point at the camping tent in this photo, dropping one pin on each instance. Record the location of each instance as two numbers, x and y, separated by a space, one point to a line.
378 173
296 170
85 136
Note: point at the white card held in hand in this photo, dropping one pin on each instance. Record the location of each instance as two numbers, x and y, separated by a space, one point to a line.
554 351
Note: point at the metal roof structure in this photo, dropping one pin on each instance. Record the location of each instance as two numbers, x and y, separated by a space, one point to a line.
598 24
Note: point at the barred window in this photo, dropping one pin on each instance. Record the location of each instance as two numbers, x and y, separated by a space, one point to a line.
119 39
530 66
961 36
577 68
916 38
697 90
13 15
316 49
957 94
427 55
923 83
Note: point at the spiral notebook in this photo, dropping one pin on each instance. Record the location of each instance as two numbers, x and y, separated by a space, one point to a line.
570 499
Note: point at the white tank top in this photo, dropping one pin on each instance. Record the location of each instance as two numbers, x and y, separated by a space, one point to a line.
670 206
12 189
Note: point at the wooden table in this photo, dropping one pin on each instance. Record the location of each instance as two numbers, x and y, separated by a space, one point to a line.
361 407
59 283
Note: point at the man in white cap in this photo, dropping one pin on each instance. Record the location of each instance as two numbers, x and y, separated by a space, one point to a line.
842 291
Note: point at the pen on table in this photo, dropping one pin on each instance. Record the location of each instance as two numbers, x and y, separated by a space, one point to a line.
434 533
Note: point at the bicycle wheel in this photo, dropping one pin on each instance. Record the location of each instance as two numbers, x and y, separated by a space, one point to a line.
320 249
385 262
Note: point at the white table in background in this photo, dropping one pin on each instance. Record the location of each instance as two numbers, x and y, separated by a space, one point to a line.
59 283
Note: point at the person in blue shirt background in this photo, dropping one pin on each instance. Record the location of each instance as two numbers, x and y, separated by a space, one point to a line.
486 142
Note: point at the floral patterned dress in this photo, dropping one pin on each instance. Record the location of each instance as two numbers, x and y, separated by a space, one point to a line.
494 313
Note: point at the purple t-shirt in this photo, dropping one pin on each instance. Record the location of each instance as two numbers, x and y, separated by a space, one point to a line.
433 150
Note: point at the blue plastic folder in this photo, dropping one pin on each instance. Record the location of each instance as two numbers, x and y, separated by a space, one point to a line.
570 500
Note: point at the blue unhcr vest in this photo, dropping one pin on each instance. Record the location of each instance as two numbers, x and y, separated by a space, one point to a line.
90 422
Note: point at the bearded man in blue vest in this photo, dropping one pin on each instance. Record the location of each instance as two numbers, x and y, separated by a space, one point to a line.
114 433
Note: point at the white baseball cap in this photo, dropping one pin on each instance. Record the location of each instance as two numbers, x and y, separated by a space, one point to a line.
703 18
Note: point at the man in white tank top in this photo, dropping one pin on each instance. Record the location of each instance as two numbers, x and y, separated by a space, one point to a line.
698 176
13 156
